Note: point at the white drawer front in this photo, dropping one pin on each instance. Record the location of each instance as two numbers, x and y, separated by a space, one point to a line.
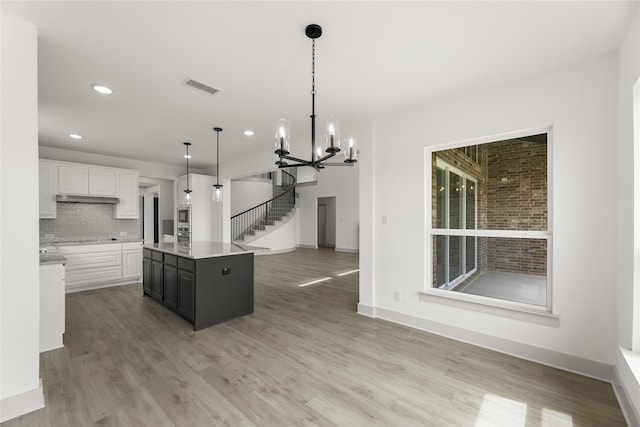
83 249
93 260
131 245
93 276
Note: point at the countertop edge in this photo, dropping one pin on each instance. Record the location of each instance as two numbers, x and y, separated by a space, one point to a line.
172 251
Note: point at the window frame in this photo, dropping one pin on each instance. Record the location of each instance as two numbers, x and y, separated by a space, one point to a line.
449 168
432 294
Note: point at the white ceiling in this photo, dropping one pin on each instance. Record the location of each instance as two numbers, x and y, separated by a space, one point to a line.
374 59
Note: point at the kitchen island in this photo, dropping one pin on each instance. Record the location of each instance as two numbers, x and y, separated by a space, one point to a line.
205 282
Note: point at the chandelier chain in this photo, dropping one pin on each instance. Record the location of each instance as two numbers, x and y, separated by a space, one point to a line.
313 67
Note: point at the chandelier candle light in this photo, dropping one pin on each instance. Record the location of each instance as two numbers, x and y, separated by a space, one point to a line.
187 156
217 188
332 137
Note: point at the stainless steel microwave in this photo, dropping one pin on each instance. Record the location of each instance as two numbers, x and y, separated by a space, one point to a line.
184 215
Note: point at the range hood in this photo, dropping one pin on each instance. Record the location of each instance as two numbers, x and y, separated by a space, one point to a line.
65 198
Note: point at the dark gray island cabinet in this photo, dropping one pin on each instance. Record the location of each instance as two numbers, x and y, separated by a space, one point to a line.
206 283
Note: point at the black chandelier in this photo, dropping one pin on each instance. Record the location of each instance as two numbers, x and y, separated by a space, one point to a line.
217 187
332 137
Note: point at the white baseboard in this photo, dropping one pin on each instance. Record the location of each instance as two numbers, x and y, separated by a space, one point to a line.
566 362
630 415
308 246
91 286
351 251
366 310
23 403
626 385
274 251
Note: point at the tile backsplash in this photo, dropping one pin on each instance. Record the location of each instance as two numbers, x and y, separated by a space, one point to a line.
82 221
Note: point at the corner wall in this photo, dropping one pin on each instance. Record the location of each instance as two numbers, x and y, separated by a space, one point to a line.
628 211
579 102
341 182
20 387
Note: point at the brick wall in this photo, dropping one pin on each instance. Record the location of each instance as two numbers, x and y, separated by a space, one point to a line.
517 200
511 195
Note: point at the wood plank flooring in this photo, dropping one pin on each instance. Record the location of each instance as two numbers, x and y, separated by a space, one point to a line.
304 358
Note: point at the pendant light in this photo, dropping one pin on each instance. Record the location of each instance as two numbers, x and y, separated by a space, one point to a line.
217 188
187 156
332 137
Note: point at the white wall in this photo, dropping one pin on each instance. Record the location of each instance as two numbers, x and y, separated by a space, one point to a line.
580 103
628 154
342 183
628 208
148 217
20 389
248 193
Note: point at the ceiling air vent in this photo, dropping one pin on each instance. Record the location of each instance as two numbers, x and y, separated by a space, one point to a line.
200 86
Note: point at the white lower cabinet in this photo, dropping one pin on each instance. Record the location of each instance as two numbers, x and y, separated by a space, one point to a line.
132 260
101 265
52 290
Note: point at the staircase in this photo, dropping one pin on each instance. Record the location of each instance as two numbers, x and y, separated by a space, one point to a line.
256 221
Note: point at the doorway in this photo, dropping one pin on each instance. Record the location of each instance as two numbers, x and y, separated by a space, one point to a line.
326 222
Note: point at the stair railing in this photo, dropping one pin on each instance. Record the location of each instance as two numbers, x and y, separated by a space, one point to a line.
258 217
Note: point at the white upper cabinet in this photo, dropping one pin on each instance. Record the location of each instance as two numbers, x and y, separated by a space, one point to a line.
73 179
81 179
48 179
127 207
86 181
102 182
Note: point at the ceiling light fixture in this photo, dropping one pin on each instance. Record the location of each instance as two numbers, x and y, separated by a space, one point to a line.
187 156
75 136
248 132
332 137
217 188
102 89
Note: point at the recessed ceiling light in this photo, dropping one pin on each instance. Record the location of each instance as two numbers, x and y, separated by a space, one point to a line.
102 89
75 136
248 132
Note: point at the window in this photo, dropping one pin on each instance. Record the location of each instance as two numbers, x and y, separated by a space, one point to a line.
488 231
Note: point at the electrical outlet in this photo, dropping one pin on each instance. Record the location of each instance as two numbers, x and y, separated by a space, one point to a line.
123 233
396 295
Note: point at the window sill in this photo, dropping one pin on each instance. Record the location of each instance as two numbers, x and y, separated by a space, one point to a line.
633 360
509 309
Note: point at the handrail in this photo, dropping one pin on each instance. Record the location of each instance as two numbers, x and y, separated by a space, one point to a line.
266 213
272 199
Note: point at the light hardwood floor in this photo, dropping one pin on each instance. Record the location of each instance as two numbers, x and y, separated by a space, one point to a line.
303 358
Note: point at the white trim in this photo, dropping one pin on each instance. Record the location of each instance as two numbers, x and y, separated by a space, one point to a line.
23 403
308 246
267 251
567 362
91 286
635 285
626 385
525 234
348 250
503 308
366 310
514 234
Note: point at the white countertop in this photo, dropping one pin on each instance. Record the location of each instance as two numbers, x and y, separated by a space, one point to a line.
198 249
53 257
89 241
